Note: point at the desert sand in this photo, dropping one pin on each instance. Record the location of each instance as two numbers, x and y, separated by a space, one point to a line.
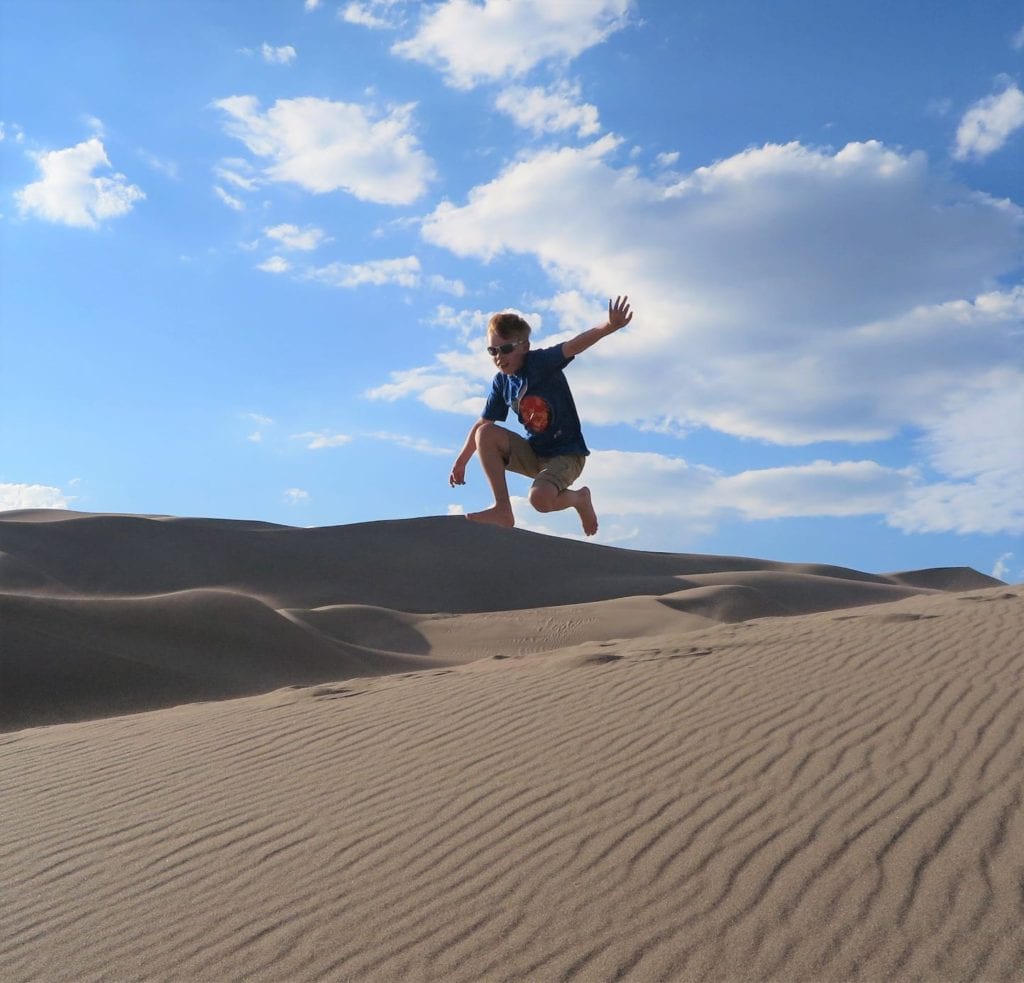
432 750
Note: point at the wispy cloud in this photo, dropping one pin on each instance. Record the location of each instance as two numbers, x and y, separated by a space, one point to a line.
292 237
404 271
274 264
235 204
417 444
323 439
283 55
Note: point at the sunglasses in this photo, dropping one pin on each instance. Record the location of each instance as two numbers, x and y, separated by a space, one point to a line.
505 349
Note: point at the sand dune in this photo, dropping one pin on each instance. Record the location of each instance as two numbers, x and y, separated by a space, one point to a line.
742 771
107 614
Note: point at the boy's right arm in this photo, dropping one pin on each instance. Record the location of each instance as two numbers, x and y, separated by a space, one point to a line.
458 475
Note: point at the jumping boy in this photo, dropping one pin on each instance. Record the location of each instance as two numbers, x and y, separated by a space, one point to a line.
533 385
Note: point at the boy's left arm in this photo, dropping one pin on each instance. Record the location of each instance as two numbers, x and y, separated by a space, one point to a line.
619 315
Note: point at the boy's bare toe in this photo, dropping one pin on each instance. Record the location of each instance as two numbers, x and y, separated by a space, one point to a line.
585 508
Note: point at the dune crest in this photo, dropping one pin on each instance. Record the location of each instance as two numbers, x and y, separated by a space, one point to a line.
110 614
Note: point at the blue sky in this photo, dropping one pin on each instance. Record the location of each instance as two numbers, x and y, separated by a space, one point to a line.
249 250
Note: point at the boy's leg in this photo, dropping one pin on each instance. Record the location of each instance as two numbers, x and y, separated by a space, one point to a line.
492 444
550 492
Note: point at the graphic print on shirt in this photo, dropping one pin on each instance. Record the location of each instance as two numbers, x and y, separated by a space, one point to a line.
535 412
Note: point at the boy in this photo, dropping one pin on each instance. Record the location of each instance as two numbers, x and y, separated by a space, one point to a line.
533 385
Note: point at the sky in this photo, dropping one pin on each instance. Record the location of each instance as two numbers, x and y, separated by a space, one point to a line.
248 251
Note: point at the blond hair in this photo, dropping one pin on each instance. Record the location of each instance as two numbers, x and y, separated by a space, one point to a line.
508 324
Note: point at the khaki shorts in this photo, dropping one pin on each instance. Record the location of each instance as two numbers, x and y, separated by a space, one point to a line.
561 471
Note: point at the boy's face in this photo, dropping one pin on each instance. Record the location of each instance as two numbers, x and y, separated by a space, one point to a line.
509 362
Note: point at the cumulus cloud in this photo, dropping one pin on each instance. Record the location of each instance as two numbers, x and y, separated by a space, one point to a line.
473 43
24 496
989 123
550 110
674 488
70 193
323 146
788 294
657 494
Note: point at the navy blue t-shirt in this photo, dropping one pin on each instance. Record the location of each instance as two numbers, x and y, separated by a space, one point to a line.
539 396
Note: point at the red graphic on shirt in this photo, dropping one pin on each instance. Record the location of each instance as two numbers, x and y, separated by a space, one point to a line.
535 413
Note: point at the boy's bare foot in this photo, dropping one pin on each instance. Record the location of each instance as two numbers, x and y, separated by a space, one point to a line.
494 516
586 510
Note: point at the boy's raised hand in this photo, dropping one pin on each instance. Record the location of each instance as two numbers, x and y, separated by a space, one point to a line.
619 314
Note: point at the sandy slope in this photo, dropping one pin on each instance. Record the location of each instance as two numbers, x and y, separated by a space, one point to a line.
835 794
106 614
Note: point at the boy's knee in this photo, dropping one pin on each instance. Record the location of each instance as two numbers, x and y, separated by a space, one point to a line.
543 495
486 434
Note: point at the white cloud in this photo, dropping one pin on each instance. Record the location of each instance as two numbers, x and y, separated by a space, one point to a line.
275 264
978 443
325 146
549 110
404 271
237 172
638 490
292 237
672 487
472 43
312 4
21 496
466 324
319 440
668 159
283 55
230 200
989 123
787 294
68 191
822 488
13 130
168 168
296 496
1001 568
375 14
417 444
